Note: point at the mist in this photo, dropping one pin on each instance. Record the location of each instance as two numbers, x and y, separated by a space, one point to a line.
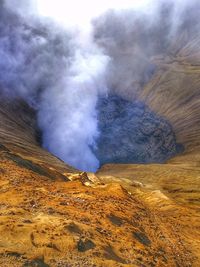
61 61
59 75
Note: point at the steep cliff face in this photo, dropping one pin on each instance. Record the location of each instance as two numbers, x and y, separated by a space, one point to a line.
177 82
20 134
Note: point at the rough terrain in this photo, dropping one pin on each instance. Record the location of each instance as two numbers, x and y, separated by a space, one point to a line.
124 215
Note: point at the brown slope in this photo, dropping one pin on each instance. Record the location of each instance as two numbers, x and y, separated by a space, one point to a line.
78 223
126 215
51 215
174 93
18 132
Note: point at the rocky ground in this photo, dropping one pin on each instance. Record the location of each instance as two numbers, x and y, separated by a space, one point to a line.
124 215
69 219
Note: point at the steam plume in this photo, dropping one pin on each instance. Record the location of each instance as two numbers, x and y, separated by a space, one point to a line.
61 71
59 75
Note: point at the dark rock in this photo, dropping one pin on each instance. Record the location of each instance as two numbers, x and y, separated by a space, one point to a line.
73 228
111 255
142 238
53 246
3 148
36 263
115 220
131 133
14 254
86 245
27 164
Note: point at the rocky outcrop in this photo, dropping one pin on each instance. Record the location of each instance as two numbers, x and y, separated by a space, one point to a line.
129 132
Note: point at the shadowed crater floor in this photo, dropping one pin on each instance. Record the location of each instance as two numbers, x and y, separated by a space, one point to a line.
131 133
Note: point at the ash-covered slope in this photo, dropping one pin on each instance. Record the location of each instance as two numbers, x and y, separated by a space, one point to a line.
53 215
19 133
177 83
124 215
49 221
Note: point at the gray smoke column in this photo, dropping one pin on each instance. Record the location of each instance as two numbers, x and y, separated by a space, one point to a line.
67 115
61 71
60 74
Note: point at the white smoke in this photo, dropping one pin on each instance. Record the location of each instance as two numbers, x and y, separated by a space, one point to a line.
59 72
59 59
67 115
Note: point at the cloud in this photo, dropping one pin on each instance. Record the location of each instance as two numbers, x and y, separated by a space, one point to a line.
61 65
60 76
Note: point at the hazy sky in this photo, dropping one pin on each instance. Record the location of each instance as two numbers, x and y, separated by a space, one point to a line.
76 12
